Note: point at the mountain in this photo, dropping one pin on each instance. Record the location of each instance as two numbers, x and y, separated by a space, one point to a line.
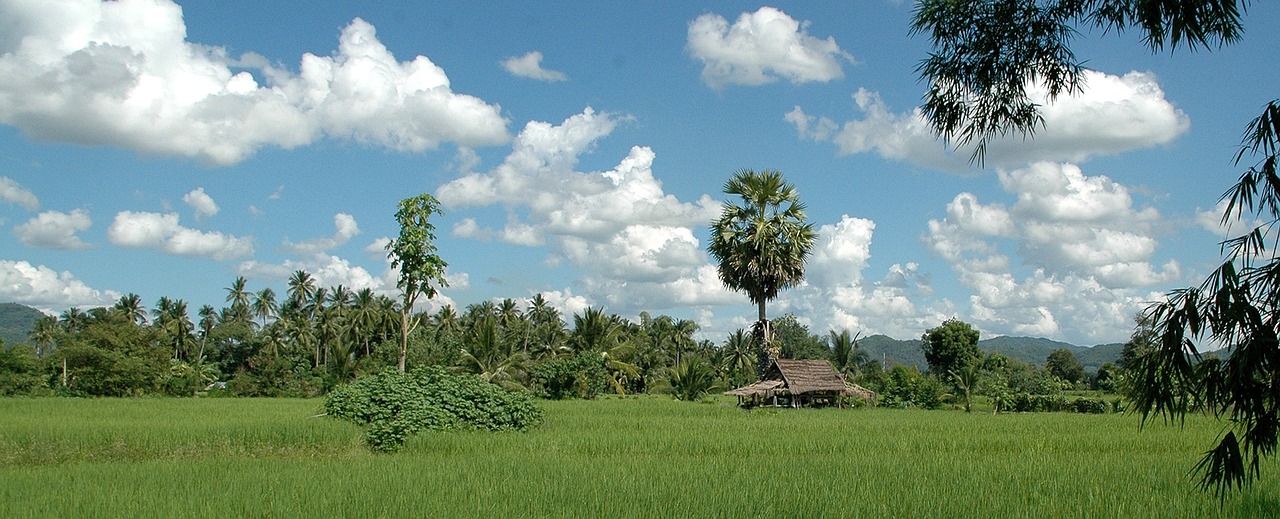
1031 350
16 322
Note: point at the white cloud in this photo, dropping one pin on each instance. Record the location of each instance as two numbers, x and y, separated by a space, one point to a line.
762 47
634 241
13 192
47 289
163 233
530 66
1114 114
55 230
1088 253
345 228
201 202
123 74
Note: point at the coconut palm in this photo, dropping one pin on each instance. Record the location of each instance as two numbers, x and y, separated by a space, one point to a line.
846 353
594 330
739 354
264 305
761 245
44 334
130 306
238 297
302 288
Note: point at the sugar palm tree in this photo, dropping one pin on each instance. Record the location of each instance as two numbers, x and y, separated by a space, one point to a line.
761 244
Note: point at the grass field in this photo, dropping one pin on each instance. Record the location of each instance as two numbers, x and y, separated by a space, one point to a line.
644 457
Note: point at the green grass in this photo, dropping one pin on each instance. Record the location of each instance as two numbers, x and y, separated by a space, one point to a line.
645 457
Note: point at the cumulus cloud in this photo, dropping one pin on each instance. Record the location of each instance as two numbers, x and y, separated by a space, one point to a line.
345 228
201 202
530 66
47 289
163 233
13 192
1112 115
123 74
1088 254
760 48
634 240
55 230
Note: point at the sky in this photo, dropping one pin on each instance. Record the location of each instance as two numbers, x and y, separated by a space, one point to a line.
580 151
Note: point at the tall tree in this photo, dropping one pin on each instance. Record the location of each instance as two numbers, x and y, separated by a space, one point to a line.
987 53
413 254
950 346
761 243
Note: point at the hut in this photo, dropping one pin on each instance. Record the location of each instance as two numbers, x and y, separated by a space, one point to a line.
799 383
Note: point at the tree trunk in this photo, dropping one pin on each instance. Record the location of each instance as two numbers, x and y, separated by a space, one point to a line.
763 336
404 339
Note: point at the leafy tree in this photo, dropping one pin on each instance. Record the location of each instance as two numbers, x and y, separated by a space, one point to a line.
985 56
19 370
794 341
413 253
950 347
761 244
1063 364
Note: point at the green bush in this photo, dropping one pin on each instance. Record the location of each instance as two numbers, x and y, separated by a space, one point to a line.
392 407
1090 406
581 376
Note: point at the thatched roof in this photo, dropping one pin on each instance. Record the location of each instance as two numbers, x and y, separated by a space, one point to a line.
806 376
798 377
760 387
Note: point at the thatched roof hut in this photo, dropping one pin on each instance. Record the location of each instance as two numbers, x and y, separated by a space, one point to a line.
797 383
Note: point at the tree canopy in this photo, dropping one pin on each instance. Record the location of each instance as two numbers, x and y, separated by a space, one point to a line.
950 346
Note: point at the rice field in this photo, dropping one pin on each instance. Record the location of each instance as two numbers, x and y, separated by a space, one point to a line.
631 457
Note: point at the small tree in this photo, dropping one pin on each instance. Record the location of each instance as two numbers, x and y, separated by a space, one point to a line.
414 254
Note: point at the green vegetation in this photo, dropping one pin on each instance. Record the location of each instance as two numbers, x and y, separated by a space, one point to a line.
632 457
393 406
16 322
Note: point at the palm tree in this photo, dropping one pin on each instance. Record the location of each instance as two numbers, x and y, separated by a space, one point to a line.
264 305
208 320
44 333
73 320
739 354
238 297
594 331
762 244
302 288
130 306
846 354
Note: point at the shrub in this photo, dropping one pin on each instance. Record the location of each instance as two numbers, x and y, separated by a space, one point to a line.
581 376
392 407
1089 406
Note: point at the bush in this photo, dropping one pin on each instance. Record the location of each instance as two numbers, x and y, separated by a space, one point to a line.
1088 406
692 380
581 376
392 407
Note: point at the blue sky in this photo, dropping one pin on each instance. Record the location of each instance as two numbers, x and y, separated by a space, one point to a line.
579 150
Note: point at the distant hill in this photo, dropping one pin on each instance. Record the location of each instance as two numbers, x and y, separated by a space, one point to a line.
16 322
1026 349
